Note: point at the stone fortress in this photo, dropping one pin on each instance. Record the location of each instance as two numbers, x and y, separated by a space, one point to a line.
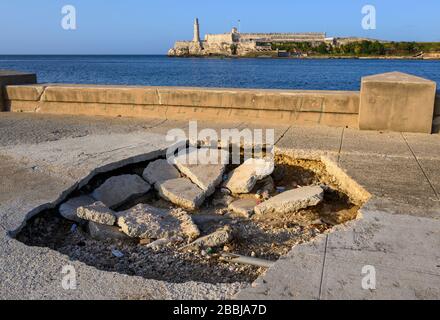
240 44
235 43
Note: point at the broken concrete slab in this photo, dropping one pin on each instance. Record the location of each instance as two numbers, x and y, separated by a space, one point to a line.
244 178
119 189
181 192
97 212
145 221
160 170
215 239
69 208
204 167
292 200
104 232
76 156
244 207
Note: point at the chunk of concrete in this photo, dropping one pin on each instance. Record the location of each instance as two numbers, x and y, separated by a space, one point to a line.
104 232
244 178
292 200
97 212
397 101
68 209
145 221
215 239
181 192
119 189
244 207
160 170
204 167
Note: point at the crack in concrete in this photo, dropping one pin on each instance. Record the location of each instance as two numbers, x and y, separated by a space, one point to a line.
282 136
40 99
156 125
323 269
159 97
421 167
341 144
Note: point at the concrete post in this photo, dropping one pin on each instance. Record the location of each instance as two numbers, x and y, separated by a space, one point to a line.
8 77
397 102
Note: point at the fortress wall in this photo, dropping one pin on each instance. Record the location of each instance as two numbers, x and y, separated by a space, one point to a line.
227 37
182 44
284 36
330 108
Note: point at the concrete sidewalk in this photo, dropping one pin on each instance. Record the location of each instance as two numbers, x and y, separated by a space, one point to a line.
43 157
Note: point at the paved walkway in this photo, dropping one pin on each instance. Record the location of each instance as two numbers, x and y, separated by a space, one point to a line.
42 157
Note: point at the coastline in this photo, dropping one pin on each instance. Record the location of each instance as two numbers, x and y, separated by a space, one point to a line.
317 57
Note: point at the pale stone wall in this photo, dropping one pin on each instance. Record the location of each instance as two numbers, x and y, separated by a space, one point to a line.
182 44
281 37
397 101
392 102
330 108
219 38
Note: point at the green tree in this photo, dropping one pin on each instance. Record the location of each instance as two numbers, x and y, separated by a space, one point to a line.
322 48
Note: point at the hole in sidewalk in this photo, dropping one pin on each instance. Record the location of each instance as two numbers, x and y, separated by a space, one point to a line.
262 237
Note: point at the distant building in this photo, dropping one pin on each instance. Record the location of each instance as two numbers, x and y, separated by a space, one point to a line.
236 43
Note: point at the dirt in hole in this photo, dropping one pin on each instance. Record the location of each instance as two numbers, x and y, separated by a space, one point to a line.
266 237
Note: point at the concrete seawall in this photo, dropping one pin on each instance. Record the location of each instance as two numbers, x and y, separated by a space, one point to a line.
391 101
331 108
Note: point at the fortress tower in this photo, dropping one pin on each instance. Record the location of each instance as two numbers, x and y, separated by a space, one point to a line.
196 31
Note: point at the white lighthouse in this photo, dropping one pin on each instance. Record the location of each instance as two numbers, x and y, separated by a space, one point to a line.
196 31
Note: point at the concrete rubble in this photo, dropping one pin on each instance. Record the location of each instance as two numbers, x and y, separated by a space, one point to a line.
244 207
104 232
160 170
68 209
97 212
243 179
145 221
181 192
215 239
117 190
195 164
402 211
292 200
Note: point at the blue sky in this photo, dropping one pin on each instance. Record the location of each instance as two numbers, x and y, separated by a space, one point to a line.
151 27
